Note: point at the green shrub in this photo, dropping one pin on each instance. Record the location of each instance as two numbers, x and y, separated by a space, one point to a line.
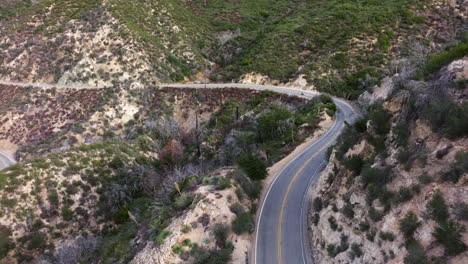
186 228
237 208
446 117
250 187
375 176
461 161
356 251
317 204
360 125
437 208
403 156
375 215
121 216
213 256
449 234
348 138
348 211
271 124
67 213
220 232
439 60
53 197
404 194
424 179
183 201
409 224
334 250
458 169
461 211
116 163
371 235
387 236
177 249
223 183
416 254
332 222
36 241
380 119
159 239
6 244
254 167
243 223
354 164
402 133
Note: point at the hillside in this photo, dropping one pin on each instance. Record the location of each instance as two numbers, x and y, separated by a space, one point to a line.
396 188
98 43
101 180
342 48
116 166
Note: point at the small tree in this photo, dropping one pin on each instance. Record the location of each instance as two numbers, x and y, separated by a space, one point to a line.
416 254
244 223
409 224
317 204
437 208
448 233
254 167
220 232
380 119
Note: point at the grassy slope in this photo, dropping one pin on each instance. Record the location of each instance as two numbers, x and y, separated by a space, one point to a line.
172 36
279 36
9 8
166 30
335 43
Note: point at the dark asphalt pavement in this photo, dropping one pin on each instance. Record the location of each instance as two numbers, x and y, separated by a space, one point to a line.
280 236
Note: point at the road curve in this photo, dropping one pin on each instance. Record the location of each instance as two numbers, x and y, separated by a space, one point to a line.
280 236
6 160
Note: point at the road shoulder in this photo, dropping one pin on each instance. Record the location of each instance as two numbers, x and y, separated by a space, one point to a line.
276 168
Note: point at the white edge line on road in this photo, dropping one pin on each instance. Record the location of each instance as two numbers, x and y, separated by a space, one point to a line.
304 200
273 182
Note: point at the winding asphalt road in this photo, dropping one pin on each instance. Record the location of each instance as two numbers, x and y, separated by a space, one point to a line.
281 236
5 160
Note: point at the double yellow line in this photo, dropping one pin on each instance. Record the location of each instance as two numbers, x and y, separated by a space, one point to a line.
283 203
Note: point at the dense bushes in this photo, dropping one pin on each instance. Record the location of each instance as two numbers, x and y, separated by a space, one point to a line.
437 208
458 169
183 201
409 224
221 232
446 117
416 254
448 233
461 211
376 176
250 187
5 242
437 61
273 125
254 167
380 119
354 163
243 223
212 256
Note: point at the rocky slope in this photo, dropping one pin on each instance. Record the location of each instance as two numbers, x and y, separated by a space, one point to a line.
99 43
396 188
